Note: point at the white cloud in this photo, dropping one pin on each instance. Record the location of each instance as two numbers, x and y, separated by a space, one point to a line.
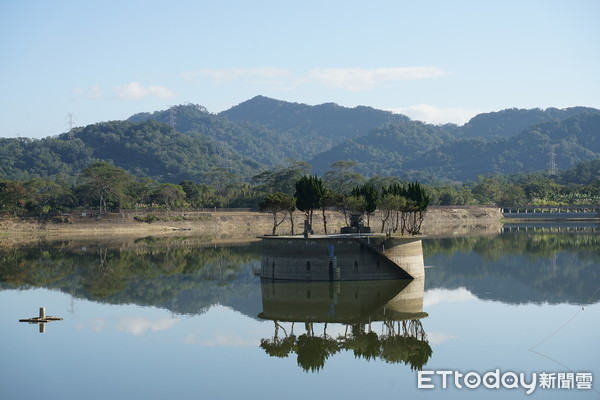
137 326
222 339
93 92
231 74
437 338
435 115
95 324
135 90
358 79
435 296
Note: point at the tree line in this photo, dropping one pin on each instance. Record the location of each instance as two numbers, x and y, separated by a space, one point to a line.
105 187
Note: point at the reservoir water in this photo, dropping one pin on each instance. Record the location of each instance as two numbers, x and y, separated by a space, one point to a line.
185 318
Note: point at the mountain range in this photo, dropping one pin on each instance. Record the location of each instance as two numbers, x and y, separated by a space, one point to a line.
188 142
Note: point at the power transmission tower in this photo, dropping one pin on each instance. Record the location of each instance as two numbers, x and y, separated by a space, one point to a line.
552 169
70 122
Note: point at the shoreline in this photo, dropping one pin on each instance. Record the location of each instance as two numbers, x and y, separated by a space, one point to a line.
227 225
231 227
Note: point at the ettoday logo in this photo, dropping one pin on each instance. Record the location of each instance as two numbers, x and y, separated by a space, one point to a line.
508 380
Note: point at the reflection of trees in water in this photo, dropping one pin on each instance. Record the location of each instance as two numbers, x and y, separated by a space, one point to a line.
400 342
279 347
532 244
312 351
365 344
103 278
141 274
518 267
406 343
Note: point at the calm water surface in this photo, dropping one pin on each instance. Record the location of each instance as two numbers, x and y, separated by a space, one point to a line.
185 320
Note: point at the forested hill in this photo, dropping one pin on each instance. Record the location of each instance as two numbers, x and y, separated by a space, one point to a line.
386 150
187 142
420 151
271 131
511 122
328 121
248 140
145 149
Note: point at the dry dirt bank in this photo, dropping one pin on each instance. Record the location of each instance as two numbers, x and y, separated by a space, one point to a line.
439 221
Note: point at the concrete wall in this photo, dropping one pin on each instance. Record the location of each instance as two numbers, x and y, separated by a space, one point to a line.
334 259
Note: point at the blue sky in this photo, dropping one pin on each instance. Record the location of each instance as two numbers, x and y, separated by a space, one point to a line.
438 61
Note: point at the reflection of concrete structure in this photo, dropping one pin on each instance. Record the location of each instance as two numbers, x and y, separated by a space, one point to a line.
408 255
342 258
342 302
397 305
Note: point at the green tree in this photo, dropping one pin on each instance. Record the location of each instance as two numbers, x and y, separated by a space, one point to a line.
391 206
106 184
13 196
170 195
447 195
331 199
379 181
44 196
416 192
143 189
201 195
276 203
356 204
412 208
309 195
282 178
220 178
341 179
192 192
371 195
417 203
488 190
539 189
512 195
